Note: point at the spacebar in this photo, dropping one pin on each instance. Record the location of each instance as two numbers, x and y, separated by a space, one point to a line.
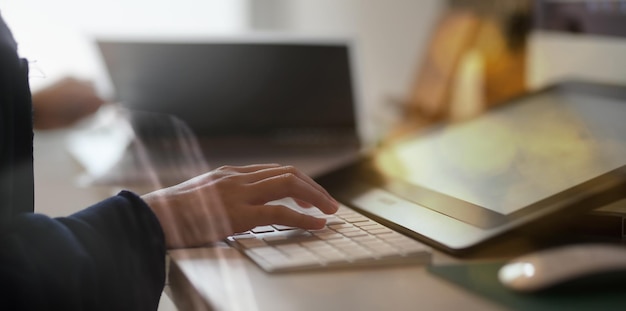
292 237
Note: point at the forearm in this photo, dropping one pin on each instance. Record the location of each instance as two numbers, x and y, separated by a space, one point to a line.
109 256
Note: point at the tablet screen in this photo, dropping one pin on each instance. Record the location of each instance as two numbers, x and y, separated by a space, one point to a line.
513 156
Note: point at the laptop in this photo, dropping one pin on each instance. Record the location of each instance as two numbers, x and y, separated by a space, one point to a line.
531 164
243 99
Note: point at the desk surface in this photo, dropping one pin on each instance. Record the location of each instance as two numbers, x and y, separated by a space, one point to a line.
222 278
227 280
206 274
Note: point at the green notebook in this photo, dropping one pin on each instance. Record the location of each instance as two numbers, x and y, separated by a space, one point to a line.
481 278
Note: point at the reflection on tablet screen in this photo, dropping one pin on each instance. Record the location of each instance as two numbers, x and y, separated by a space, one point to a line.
517 155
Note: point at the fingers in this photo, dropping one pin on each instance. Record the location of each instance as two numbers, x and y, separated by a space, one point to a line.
282 215
236 197
274 181
273 170
64 102
303 203
248 168
291 185
292 170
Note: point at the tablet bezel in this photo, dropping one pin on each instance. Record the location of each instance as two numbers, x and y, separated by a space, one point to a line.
361 187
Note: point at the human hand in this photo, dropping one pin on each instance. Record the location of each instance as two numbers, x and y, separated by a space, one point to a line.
233 199
63 103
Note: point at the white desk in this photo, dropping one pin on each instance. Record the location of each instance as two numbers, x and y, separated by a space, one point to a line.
392 288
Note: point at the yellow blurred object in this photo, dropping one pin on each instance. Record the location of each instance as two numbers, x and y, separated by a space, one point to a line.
453 36
476 59
505 73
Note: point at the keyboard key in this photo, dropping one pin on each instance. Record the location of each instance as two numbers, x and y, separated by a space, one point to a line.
378 231
353 234
267 252
250 243
340 226
355 219
263 229
334 221
315 244
347 229
241 236
284 239
364 239
323 231
289 248
283 228
329 236
369 225
343 242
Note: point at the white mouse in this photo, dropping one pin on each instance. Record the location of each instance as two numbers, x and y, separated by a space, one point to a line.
563 265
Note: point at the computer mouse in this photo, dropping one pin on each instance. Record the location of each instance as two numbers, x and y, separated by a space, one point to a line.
565 267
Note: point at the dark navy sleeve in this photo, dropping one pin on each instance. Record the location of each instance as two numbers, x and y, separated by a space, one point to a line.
110 256
16 133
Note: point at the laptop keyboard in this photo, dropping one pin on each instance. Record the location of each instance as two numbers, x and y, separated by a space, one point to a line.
349 239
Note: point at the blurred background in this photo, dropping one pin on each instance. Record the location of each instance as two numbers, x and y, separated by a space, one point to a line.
391 35
419 61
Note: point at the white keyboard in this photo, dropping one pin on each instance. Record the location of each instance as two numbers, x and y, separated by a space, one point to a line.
349 239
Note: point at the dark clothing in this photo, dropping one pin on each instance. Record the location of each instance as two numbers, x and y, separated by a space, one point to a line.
110 256
16 148
107 257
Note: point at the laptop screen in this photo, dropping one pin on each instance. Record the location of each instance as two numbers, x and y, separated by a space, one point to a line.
238 87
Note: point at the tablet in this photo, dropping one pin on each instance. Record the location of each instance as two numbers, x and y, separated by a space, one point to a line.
540 157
